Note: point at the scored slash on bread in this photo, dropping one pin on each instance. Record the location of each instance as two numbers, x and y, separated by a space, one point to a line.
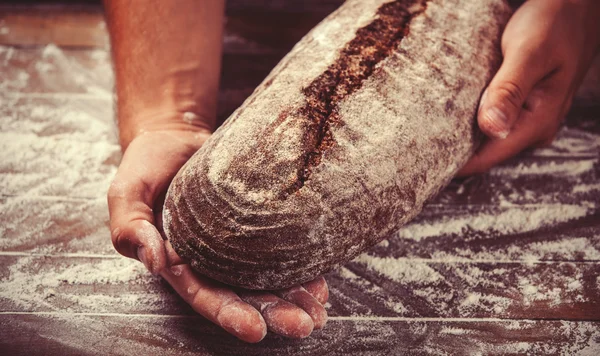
356 62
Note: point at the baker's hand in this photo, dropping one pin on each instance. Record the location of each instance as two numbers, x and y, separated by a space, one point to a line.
135 200
548 45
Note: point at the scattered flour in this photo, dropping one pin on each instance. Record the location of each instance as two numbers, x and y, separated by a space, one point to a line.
586 188
404 271
453 331
563 248
490 304
31 281
571 168
531 293
571 142
572 338
54 225
54 145
436 297
510 220
349 275
392 302
384 244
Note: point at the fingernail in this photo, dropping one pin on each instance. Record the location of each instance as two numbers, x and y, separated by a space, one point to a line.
482 100
499 122
150 250
245 323
231 317
141 253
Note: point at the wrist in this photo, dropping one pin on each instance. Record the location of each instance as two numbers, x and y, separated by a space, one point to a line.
143 122
178 99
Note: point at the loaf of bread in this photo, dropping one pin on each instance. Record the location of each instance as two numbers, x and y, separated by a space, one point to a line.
367 118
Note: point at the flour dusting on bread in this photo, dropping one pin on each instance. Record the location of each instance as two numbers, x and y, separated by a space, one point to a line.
367 118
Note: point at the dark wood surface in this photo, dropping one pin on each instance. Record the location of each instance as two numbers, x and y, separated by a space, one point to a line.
503 263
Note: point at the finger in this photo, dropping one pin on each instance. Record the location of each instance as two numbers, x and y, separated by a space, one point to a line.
217 303
139 239
548 138
300 297
532 127
172 256
503 100
159 203
130 203
282 317
131 222
493 152
318 289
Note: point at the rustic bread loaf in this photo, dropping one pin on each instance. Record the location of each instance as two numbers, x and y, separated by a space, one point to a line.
367 118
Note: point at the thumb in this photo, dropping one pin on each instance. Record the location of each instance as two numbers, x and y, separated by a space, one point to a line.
139 239
502 101
132 222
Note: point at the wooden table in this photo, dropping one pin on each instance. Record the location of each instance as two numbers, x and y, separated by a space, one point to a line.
503 263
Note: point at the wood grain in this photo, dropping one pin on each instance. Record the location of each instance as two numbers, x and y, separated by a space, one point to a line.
369 286
54 225
126 335
502 263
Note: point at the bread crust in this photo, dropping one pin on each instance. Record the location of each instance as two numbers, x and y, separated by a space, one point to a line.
367 118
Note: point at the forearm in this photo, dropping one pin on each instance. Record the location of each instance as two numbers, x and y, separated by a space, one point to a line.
167 63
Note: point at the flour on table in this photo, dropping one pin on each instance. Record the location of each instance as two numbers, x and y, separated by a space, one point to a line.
405 272
571 142
53 144
30 290
564 168
515 220
61 148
